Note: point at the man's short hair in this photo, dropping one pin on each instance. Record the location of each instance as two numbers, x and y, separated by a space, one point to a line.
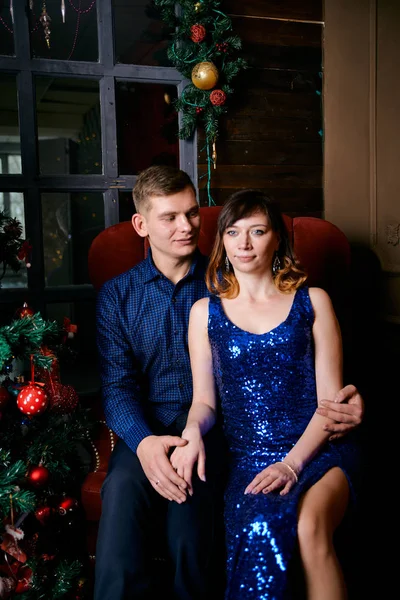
159 180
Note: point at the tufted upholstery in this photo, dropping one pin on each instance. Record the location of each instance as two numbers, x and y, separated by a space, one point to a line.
320 246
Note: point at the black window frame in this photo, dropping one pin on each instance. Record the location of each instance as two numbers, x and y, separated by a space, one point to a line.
32 183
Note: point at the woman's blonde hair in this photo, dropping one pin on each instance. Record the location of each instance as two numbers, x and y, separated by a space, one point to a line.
222 281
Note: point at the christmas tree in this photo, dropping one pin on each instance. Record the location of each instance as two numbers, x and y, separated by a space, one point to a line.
43 430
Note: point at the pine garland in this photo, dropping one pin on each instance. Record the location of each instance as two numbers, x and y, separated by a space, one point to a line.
24 337
202 34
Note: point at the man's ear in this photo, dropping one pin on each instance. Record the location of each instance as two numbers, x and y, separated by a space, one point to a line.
139 224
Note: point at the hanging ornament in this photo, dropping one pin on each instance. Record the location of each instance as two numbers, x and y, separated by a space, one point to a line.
4 397
7 586
63 10
217 97
44 514
38 476
24 253
63 398
24 311
45 21
69 328
32 400
24 583
205 75
214 155
67 505
197 33
31 4
198 7
9 543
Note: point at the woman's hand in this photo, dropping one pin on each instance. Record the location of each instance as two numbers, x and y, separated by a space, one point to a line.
184 458
275 477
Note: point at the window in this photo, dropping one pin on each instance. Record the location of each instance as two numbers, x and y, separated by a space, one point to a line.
78 121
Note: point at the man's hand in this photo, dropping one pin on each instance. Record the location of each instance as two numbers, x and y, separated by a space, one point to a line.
346 411
153 453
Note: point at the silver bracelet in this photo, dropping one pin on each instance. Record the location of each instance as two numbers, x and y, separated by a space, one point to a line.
291 470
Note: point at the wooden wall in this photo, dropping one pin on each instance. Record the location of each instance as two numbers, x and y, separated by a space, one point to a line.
271 136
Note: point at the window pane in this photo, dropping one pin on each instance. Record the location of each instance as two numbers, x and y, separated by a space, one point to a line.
147 126
10 146
141 38
70 222
69 131
81 371
74 39
6 29
12 203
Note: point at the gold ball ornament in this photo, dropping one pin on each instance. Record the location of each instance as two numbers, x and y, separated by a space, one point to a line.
205 75
198 7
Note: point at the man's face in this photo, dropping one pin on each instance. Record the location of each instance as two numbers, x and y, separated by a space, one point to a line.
172 224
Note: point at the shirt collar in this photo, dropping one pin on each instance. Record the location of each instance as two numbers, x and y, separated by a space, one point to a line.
197 268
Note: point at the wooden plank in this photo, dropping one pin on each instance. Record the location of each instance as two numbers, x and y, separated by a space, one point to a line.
266 176
270 128
278 33
279 80
301 201
285 57
257 103
250 152
308 10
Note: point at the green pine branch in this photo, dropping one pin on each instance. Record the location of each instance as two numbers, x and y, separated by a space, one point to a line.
219 47
23 338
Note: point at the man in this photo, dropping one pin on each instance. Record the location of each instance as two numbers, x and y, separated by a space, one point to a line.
142 319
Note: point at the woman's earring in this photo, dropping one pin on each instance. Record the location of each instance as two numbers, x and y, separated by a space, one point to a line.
276 265
227 264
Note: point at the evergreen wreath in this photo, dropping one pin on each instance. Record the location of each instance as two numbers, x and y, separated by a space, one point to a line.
204 50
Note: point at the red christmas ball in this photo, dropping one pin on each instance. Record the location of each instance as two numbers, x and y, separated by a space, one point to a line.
32 400
4 397
63 398
197 33
38 476
43 514
68 504
217 97
24 311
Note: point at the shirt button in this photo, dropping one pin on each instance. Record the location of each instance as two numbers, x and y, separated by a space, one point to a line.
174 300
180 385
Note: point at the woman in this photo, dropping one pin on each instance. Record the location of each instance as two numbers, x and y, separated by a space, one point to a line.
272 348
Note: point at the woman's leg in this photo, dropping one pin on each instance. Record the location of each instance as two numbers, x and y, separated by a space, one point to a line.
320 512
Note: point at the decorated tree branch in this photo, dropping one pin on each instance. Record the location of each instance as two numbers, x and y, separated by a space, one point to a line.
43 433
204 50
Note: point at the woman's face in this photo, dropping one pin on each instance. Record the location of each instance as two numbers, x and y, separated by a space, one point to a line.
250 243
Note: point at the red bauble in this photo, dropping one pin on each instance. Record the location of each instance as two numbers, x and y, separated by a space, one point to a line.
4 397
217 97
197 33
24 311
63 398
32 400
43 514
68 504
38 476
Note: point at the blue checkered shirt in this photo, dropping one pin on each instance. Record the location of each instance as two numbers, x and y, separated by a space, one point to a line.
142 338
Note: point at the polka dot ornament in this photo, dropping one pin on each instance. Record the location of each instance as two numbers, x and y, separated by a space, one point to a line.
32 400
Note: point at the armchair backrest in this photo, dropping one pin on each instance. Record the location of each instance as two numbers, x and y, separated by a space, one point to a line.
319 245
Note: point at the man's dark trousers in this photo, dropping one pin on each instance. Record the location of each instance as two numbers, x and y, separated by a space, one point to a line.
137 524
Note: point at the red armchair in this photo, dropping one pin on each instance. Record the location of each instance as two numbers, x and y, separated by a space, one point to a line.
321 247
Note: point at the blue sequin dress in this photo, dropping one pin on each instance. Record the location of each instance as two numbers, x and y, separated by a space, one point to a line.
268 395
